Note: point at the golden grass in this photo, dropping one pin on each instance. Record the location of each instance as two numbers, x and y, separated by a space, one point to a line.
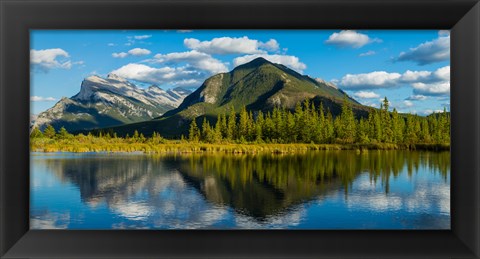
171 146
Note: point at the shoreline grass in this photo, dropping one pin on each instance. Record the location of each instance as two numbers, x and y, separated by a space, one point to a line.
49 145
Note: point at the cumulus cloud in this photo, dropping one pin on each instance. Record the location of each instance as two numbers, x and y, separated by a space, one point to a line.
142 37
376 79
368 53
184 31
366 95
47 59
441 88
42 99
423 82
349 38
139 52
188 68
147 74
228 45
132 52
271 45
195 59
428 52
286 60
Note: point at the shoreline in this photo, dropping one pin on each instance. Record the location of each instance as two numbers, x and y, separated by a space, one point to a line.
229 148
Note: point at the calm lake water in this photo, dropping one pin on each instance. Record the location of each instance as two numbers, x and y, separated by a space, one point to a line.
312 190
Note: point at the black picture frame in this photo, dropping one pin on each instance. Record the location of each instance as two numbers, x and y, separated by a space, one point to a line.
19 16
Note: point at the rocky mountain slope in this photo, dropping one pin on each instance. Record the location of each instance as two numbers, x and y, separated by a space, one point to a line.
111 101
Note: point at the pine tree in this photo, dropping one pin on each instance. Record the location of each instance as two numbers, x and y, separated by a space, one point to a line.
425 132
259 124
63 133
243 122
231 126
321 126
250 127
36 133
290 128
410 132
218 130
397 127
330 132
49 132
208 133
136 135
387 132
194 132
223 125
377 127
346 124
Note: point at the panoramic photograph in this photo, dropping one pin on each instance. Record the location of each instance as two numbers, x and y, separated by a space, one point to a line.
240 129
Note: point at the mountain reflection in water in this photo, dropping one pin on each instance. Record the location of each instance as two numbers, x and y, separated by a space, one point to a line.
235 191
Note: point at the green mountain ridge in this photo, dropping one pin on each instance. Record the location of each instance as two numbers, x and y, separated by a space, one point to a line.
259 85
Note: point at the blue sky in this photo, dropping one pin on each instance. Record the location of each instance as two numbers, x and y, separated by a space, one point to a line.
411 68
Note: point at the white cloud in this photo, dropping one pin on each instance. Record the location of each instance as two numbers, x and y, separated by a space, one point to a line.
289 61
368 53
417 97
349 38
408 103
47 59
194 59
366 95
271 45
376 79
441 88
429 52
132 52
119 55
111 44
414 76
139 52
147 74
423 82
142 37
42 99
184 31
228 45
442 73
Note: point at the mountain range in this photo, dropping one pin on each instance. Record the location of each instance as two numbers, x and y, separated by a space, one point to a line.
107 102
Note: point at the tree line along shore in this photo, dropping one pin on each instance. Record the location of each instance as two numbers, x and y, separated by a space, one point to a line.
307 127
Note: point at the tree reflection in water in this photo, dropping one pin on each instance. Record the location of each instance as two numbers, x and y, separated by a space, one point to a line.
258 186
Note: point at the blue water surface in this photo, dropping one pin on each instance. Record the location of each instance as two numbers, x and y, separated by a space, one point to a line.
312 190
